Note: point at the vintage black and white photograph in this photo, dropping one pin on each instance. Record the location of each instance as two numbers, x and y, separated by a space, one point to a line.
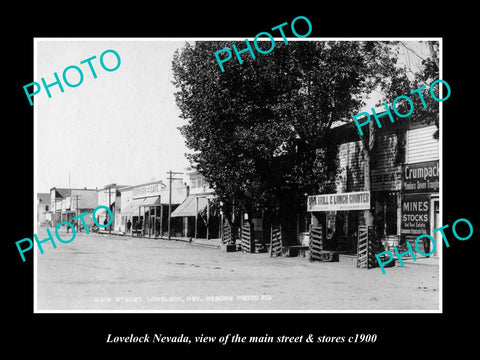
255 174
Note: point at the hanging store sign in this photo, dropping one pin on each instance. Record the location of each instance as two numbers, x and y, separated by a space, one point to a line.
359 200
420 177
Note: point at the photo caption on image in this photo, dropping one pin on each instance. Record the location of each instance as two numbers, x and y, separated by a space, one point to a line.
238 339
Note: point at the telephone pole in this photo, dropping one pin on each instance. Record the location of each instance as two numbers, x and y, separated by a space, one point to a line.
109 187
76 197
170 179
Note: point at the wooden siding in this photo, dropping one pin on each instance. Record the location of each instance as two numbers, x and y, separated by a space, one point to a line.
350 161
386 174
386 166
421 146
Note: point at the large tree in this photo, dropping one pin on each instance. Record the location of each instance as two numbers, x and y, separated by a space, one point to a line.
260 132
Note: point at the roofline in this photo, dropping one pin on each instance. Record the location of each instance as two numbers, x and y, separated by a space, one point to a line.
128 187
56 188
114 186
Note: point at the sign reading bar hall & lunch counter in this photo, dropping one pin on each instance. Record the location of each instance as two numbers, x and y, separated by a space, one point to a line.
359 200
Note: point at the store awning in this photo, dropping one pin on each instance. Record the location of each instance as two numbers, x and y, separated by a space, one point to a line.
151 201
187 208
132 208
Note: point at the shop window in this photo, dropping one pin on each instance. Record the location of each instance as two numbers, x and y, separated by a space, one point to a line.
197 183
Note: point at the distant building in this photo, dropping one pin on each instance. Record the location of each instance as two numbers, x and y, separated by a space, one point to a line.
146 207
44 216
67 203
110 196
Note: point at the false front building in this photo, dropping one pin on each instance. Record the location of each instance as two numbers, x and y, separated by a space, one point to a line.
145 209
66 203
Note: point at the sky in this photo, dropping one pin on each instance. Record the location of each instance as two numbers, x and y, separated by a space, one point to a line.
121 127
118 128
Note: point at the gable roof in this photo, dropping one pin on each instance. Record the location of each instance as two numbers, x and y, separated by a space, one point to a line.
63 192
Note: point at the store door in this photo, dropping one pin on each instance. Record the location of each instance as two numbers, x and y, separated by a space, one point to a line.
151 226
436 224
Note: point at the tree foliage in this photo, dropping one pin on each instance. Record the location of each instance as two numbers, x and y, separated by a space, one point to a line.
263 128
397 82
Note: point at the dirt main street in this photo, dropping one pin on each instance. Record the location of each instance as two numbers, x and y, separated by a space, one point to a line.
108 272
